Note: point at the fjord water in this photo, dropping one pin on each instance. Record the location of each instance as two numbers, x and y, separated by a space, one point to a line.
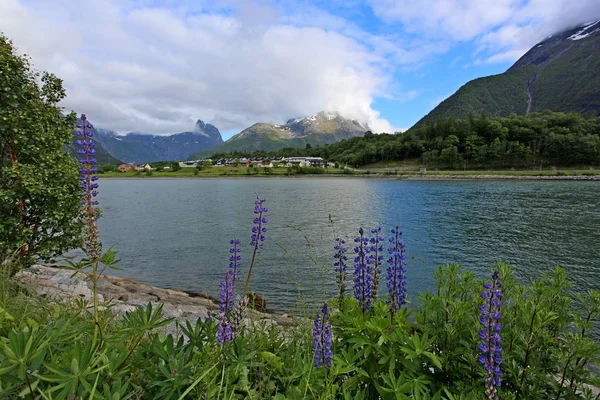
175 232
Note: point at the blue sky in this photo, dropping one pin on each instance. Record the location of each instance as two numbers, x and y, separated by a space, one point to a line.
156 66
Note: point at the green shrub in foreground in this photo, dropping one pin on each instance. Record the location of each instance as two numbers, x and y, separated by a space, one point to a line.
47 350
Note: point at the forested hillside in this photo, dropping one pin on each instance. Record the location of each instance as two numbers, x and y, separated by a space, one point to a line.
561 73
539 139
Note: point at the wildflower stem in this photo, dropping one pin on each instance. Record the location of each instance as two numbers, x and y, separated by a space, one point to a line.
95 295
258 236
137 343
247 283
29 385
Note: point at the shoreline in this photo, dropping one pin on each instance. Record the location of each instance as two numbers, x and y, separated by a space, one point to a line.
506 177
125 295
412 177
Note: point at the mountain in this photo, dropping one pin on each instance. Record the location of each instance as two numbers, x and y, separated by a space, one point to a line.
102 156
138 147
321 128
561 73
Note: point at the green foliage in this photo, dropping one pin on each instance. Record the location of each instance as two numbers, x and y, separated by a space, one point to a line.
107 168
204 165
559 76
544 333
39 189
536 140
425 353
175 167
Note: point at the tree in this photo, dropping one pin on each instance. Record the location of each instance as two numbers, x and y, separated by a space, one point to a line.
107 168
39 187
175 167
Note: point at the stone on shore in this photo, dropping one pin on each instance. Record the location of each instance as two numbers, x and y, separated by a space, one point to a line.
126 295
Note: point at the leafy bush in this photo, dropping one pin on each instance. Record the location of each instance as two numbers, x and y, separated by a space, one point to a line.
38 180
546 349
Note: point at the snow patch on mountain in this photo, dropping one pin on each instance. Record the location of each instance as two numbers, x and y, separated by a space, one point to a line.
585 32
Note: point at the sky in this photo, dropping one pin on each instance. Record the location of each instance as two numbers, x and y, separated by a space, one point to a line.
157 66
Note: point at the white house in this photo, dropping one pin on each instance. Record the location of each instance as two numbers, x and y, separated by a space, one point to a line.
263 164
143 167
306 162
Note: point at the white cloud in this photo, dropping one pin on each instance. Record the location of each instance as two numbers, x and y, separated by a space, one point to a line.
157 70
461 19
503 29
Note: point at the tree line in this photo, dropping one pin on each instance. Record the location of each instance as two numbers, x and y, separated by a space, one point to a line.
535 140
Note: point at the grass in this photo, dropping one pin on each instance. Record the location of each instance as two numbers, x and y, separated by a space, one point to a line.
379 169
213 172
532 172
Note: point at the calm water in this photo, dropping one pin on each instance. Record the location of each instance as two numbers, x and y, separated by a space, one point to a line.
176 232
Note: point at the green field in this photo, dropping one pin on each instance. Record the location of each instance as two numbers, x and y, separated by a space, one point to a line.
223 171
372 170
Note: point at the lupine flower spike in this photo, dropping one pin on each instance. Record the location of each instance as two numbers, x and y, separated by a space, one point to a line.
224 333
396 272
88 182
322 339
259 229
258 235
340 268
491 343
234 258
376 259
89 185
363 284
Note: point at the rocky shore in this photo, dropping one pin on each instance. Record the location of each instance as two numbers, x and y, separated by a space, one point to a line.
126 295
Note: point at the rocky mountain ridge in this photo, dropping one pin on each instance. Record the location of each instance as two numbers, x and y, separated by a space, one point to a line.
321 128
137 147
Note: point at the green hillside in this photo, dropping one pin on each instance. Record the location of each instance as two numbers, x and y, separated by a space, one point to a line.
516 141
265 142
321 128
561 73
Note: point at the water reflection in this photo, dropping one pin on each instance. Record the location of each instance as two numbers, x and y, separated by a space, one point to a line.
176 232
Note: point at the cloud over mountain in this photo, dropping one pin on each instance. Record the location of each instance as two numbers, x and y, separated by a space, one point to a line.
502 29
158 69
156 66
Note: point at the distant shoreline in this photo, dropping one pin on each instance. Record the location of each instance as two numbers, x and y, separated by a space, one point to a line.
412 177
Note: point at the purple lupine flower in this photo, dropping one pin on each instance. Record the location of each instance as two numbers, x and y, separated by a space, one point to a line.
396 272
235 258
224 333
322 339
88 183
238 313
226 296
258 236
376 258
259 229
340 268
363 284
491 343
